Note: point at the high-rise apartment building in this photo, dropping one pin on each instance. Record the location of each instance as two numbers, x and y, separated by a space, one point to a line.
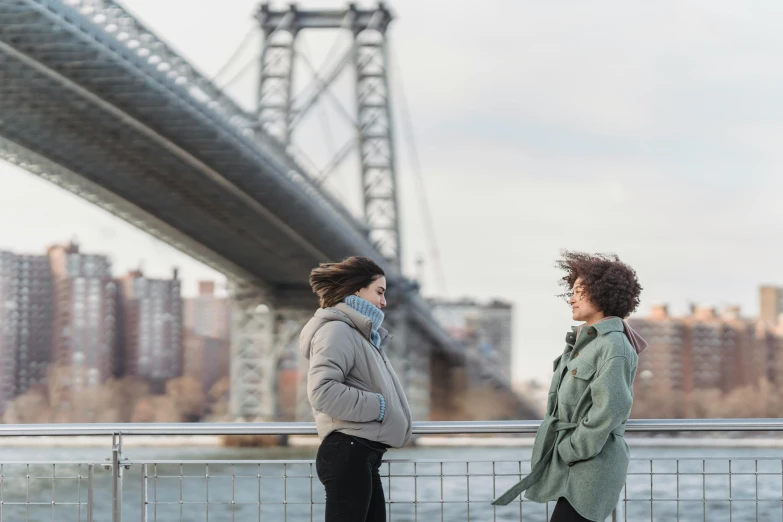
704 350
34 306
85 319
9 327
771 301
151 322
664 359
25 322
207 323
494 336
207 314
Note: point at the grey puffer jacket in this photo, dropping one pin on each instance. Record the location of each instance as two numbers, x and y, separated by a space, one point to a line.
347 372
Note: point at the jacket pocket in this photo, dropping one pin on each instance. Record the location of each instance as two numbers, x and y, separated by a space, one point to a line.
392 427
576 381
580 369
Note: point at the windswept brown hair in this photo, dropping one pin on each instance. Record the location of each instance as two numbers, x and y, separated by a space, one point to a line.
334 281
610 284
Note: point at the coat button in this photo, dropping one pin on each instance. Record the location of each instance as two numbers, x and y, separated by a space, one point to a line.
573 372
570 464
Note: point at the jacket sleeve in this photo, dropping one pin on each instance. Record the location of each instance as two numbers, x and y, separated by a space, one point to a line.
612 394
331 358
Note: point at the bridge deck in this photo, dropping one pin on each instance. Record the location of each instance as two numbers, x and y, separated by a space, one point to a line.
113 113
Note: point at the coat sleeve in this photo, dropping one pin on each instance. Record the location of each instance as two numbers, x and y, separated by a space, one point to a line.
612 394
331 359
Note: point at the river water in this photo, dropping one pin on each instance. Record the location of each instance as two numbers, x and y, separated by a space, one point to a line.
436 488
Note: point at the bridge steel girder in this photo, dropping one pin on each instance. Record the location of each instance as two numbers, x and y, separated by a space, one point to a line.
325 18
108 201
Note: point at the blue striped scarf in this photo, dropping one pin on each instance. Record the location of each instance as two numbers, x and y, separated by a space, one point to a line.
370 311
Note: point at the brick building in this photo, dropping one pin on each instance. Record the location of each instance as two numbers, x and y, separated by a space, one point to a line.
85 335
152 327
705 350
207 324
25 322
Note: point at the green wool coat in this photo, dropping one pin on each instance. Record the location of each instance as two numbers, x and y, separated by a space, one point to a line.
579 451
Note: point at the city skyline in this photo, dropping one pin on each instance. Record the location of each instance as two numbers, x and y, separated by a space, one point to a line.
209 292
695 359
70 324
72 328
160 336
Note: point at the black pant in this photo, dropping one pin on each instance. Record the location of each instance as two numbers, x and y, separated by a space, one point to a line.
348 469
564 512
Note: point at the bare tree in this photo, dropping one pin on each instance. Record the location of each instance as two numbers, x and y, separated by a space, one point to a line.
32 407
655 400
187 396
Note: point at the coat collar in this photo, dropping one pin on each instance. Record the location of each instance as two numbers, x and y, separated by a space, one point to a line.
612 324
605 326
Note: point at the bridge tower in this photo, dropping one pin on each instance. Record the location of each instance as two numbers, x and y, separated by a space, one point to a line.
368 57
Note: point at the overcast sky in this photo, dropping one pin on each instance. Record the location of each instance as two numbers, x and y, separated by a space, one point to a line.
652 130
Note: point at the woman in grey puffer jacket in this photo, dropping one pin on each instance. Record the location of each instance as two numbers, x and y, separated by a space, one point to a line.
359 406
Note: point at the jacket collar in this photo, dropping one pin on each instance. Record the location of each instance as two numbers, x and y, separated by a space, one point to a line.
362 323
603 327
612 324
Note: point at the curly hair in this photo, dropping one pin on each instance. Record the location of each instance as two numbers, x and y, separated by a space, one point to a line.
609 284
333 281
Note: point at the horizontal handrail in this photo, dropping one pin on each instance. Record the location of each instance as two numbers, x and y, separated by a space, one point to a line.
419 428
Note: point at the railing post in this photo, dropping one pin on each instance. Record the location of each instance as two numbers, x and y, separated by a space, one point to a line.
116 467
144 493
90 491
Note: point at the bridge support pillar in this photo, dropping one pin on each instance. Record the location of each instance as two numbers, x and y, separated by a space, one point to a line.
409 353
264 348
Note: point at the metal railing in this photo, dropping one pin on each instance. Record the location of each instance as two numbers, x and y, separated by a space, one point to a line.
419 428
734 487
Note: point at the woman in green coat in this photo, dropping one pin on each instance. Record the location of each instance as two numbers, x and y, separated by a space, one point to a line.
580 458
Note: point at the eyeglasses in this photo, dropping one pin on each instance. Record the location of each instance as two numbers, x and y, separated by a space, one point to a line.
578 292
